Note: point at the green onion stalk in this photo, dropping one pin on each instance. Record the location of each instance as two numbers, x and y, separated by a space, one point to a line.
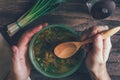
41 8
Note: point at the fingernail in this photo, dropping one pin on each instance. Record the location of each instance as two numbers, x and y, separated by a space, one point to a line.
35 30
40 26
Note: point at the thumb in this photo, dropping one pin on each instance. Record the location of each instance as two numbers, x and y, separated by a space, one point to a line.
98 45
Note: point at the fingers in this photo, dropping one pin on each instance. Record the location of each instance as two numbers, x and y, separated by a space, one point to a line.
98 29
106 47
98 41
92 31
98 45
28 35
15 53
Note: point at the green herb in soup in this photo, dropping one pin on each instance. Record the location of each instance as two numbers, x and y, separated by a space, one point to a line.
44 50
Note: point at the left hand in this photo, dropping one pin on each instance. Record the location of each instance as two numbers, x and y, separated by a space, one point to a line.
20 62
97 53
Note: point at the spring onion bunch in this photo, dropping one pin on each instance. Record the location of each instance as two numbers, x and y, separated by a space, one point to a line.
41 8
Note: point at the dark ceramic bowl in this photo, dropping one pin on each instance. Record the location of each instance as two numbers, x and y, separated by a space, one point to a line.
41 52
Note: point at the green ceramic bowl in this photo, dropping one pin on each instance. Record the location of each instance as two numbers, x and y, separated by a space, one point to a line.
41 52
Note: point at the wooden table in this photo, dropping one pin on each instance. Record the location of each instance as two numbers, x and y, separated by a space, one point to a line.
73 14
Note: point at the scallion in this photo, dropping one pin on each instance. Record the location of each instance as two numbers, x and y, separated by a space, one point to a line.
41 8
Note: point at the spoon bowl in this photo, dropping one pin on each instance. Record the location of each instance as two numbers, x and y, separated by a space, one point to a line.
64 50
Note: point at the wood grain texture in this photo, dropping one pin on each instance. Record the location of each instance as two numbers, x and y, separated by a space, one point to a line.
73 14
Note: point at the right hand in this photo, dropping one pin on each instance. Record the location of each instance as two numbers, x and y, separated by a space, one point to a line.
97 53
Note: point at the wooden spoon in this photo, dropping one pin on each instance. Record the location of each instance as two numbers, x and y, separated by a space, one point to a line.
67 49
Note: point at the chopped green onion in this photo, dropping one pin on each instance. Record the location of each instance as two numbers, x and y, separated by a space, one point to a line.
41 8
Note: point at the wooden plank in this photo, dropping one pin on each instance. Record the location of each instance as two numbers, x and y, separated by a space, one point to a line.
115 77
114 56
10 10
114 69
116 41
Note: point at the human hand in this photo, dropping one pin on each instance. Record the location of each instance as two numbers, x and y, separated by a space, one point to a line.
20 69
97 53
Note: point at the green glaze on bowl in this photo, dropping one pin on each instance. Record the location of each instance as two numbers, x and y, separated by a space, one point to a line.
41 51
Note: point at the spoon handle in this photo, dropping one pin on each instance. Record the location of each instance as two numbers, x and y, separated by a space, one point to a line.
110 32
104 34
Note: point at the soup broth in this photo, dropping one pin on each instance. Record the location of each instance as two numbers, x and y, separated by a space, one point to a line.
44 50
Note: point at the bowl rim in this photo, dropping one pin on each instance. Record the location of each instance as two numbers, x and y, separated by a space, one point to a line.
35 63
